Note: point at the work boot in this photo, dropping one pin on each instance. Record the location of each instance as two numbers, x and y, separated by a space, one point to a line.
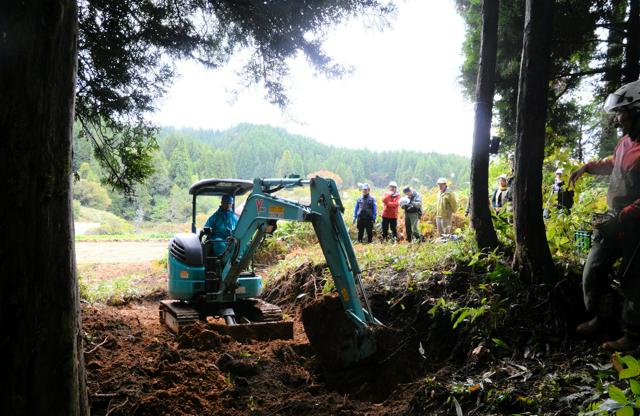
591 328
627 342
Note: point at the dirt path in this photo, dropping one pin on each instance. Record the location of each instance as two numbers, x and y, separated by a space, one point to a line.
90 252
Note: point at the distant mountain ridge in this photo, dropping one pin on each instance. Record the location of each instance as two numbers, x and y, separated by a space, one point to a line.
266 151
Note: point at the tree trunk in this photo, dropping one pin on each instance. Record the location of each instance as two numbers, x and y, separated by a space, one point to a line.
40 340
532 257
485 88
632 47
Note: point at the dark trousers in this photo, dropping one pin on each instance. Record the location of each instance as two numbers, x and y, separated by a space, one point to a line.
411 226
608 247
389 222
365 223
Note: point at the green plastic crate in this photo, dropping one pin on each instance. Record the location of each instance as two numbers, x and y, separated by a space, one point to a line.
583 241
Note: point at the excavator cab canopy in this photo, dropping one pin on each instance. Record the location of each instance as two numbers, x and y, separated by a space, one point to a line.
217 187
233 187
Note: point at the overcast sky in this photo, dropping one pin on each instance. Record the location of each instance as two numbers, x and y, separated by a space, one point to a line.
403 94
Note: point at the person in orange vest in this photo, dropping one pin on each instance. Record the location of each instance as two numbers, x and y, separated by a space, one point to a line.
390 202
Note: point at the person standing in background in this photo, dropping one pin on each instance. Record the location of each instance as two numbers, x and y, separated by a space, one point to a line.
412 205
500 195
364 215
445 207
390 201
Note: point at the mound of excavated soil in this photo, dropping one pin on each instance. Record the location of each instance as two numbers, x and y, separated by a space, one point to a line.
297 287
141 369
135 366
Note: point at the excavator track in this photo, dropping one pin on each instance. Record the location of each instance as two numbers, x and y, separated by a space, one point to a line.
176 314
256 319
257 310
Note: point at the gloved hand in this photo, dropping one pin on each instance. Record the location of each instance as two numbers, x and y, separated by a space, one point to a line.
629 213
607 226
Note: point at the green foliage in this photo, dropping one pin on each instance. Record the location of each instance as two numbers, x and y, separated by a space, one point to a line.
112 226
263 151
620 402
91 194
459 315
126 51
180 166
580 49
123 151
288 236
562 226
112 292
187 155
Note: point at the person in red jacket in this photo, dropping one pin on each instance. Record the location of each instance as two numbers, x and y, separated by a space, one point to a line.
391 201
618 236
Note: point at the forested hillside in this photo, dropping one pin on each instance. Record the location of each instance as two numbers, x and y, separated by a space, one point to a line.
247 151
267 151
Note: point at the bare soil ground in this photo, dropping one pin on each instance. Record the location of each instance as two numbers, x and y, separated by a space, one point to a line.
425 367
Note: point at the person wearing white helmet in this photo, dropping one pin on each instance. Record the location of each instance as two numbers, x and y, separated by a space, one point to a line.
558 183
445 207
619 235
364 214
500 195
564 197
390 202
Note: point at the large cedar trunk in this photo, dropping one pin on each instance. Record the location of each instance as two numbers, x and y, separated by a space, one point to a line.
632 48
485 87
532 257
40 339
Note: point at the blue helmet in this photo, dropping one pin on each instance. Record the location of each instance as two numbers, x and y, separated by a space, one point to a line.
227 199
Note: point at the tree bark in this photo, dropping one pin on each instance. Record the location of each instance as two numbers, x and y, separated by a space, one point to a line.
485 88
632 48
532 257
40 340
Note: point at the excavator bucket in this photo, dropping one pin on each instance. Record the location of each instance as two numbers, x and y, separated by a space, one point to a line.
335 337
258 320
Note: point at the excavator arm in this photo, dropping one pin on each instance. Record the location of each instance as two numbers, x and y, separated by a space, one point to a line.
261 212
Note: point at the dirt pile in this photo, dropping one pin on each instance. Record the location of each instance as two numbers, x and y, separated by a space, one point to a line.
197 336
142 369
297 287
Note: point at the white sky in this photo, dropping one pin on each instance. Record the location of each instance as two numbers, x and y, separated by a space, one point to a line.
403 93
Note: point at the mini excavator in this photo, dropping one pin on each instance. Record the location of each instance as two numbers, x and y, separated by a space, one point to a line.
212 277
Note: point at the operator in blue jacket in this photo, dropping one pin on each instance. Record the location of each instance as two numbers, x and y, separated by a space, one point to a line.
222 224
364 214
